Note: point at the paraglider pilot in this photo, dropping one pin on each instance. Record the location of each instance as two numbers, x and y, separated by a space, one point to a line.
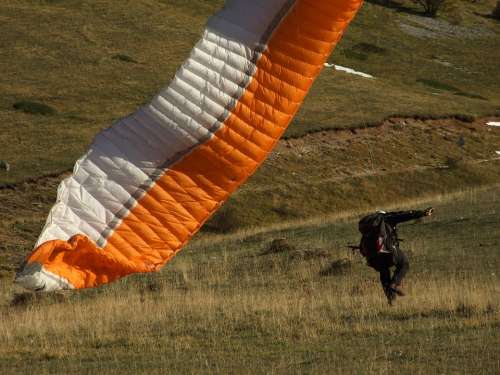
380 246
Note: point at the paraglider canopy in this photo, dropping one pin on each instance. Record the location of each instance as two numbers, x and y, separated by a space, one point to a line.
148 183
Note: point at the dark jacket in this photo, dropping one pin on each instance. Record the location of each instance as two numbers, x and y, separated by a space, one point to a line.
395 218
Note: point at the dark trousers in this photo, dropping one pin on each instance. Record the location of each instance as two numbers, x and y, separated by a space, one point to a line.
383 263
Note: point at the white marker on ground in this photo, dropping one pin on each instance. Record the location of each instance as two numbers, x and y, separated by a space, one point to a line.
493 123
348 70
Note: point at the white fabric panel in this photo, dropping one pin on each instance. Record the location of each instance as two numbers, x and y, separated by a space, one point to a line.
37 278
126 159
78 212
245 21
227 77
216 52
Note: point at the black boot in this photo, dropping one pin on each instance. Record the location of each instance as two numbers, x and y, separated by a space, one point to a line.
398 290
390 294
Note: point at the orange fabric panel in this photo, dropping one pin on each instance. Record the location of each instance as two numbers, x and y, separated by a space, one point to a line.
60 258
190 191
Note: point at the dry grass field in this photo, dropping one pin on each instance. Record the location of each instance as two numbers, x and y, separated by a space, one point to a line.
226 305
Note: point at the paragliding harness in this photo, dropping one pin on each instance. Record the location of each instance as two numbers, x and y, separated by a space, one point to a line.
378 238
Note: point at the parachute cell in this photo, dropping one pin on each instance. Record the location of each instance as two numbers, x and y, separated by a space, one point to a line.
149 182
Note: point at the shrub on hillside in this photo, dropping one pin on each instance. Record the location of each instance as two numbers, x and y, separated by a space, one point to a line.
496 12
277 246
431 7
225 220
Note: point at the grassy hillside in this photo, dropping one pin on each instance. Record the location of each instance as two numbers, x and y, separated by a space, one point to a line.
94 62
331 172
422 66
320 174
225 306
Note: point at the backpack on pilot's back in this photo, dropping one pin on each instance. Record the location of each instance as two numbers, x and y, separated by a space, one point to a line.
377 236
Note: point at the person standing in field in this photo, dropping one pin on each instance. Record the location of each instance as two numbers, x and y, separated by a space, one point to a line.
380 246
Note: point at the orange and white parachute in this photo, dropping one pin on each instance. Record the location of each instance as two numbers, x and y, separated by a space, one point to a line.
149 182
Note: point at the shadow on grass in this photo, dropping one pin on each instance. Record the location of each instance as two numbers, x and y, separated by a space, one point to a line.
471 95
124 58
460 311
397 6
365 47
362 51
438 85
34 108
309 254
338 267
27 299
446 87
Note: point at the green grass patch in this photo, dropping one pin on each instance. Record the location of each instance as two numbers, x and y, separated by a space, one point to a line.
362 51
354 55
368 48
34 108
438 85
